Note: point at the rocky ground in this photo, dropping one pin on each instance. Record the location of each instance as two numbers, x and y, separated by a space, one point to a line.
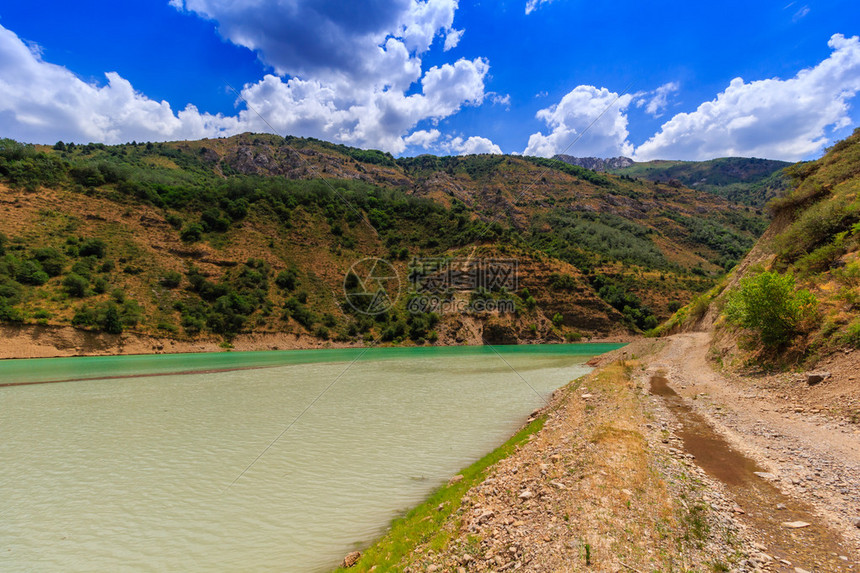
609 484
806 437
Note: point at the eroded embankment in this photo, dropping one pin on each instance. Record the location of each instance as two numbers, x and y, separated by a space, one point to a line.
38 341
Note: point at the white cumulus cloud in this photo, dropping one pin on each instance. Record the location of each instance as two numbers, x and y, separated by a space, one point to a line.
471 146
366 118
772 118
500 99
593 118
41 102
452 38
372 42
422 138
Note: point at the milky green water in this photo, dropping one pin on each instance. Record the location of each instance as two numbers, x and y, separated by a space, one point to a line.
134 472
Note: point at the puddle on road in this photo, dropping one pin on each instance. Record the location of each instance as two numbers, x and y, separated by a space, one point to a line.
813 548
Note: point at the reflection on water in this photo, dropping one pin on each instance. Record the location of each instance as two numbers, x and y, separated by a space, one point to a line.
134 474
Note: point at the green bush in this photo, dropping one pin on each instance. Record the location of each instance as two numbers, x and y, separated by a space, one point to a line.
852 334
288 278
84 316
10 291
52 260
87 175
31 273
174 221
101 285
83 268
562 282
76 285
93 248
617 293
228 313
421 324
699 306
329 320
106 317
192 324
396 331
167 327
607 234
111 321
118 295
130 313
23 166
296 309
213 220
171 279
9 313
770 306
192 233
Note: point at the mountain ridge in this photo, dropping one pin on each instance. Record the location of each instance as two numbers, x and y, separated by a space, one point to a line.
597 163
255 234
746 180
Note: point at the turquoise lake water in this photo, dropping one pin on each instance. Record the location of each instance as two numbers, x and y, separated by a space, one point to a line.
257 461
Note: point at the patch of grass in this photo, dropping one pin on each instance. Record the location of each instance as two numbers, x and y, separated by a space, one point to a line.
423 523
851 335
689 314
696 528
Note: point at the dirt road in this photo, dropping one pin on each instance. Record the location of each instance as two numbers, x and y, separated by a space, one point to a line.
811 459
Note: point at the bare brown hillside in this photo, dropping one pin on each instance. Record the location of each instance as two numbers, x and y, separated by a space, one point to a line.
256 235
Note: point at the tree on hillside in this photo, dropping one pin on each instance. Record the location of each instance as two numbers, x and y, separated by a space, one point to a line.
770 305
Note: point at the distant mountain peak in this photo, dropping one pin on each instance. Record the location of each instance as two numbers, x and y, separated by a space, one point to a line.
596 163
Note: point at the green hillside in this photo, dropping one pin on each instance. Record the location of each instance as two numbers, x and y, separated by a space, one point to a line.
744 180
796 296
257 233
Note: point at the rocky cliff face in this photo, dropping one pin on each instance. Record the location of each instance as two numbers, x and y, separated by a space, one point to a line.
596 163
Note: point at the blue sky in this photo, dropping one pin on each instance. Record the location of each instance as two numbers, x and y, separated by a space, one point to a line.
660 79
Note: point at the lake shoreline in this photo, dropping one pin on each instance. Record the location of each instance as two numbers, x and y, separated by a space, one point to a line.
624 492
48 341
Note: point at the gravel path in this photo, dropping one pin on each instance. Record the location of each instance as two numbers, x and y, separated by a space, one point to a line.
808 455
